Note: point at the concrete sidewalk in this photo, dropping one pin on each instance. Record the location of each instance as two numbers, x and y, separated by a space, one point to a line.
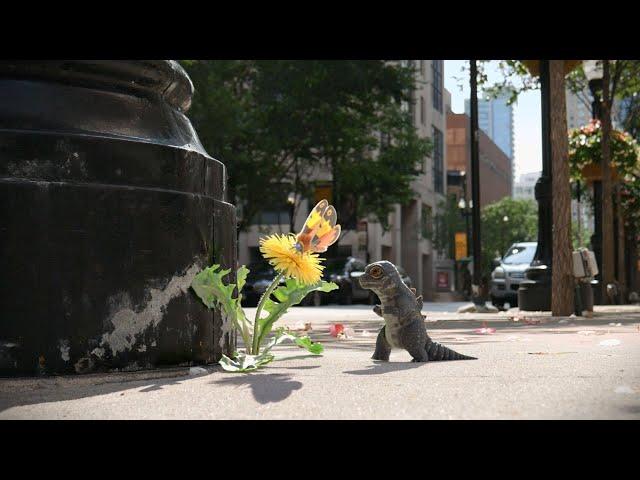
537 367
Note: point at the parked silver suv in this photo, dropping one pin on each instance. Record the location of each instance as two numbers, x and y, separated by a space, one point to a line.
506 277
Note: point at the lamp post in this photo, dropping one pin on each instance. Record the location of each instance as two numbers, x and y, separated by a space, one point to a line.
478 286
505 220
594 73
534 293
465 211
291 203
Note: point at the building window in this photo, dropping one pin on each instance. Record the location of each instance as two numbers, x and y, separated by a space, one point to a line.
423 72
436 70
426 222
423 113
438 153
412 108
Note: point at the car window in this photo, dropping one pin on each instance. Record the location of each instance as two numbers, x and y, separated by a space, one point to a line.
519 254
357 266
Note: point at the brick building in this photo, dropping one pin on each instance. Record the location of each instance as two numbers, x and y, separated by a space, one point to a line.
496 177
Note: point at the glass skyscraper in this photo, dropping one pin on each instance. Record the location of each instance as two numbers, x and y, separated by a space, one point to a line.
495 118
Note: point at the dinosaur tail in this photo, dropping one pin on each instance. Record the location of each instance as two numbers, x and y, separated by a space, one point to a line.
439 352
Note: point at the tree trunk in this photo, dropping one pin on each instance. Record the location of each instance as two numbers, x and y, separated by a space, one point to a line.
562 271
622 280
607 205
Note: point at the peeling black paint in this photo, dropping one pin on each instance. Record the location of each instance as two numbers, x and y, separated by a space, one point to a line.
106 199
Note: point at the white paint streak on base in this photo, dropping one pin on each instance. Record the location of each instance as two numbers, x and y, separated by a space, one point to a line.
128 323
226 328
64 349
98 352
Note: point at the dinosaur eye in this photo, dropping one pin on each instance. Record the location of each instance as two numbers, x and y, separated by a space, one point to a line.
375 272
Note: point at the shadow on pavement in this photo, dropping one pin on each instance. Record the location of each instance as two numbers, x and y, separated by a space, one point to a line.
20 392
380 368
265 387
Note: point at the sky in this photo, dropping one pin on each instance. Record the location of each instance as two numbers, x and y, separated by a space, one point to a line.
526 114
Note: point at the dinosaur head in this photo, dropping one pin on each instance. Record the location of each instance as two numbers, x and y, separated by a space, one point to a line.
380 275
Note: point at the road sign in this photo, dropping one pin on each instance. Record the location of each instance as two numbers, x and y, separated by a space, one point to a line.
461 245
442 280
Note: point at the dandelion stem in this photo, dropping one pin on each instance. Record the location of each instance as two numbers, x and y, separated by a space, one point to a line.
256 333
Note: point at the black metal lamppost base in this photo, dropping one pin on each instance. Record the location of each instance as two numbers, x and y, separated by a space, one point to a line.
534 293
109 206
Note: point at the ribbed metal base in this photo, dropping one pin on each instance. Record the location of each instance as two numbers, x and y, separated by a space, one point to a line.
534 293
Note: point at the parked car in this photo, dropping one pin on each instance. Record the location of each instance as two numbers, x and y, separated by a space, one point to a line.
509 272
261 274
345 272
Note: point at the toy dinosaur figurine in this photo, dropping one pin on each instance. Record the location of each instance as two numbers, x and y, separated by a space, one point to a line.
401 309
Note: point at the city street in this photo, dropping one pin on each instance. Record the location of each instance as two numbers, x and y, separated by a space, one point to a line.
529 367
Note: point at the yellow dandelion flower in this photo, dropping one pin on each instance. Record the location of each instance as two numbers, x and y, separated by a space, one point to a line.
280 251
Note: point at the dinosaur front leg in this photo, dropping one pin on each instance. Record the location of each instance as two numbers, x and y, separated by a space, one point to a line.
383 349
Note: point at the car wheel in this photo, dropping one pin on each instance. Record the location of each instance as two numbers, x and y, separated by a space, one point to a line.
497 303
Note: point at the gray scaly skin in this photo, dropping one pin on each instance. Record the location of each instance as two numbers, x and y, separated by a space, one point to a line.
401 310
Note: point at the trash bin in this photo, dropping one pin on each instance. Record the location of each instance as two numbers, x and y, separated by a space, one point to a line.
585 292
584 269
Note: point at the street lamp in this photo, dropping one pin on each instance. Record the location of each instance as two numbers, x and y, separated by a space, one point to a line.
505 220
594 73
465 211
291 202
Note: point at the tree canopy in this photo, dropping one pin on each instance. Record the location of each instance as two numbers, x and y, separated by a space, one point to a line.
274 123
505 222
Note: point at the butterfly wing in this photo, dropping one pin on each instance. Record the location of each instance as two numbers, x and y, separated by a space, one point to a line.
311 226
327 239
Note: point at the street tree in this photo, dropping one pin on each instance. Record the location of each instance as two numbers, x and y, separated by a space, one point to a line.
504 223
274 123
621 81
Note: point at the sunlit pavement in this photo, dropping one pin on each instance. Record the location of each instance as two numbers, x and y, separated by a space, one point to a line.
530 366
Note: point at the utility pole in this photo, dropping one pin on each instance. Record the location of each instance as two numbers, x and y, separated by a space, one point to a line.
477 292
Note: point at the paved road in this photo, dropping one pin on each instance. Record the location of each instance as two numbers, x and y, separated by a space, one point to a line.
549 370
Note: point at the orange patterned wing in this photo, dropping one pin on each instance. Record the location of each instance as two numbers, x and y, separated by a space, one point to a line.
311 226
328 232
327 239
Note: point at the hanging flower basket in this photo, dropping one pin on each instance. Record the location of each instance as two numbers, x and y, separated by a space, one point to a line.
585 153
592 172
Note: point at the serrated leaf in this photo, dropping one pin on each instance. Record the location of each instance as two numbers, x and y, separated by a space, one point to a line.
313 347
210 287
244 362
279 337
291 293
241 278
228 364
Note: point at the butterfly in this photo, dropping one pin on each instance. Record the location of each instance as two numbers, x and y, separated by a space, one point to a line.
320 229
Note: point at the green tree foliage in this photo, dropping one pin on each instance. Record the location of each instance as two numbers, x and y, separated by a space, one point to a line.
580 238
585 148
272 122
447 222
498 235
